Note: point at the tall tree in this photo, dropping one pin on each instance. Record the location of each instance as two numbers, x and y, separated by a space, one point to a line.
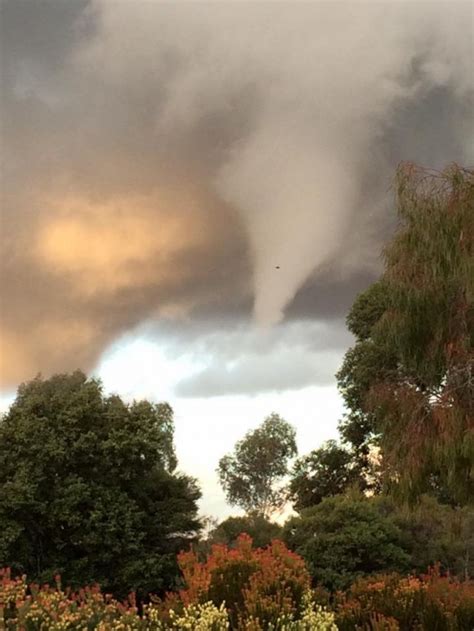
408 382
250 476
88 488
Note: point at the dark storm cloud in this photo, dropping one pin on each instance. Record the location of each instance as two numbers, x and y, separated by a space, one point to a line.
164 159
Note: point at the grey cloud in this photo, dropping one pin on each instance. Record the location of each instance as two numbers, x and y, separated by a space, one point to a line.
249 360
252 375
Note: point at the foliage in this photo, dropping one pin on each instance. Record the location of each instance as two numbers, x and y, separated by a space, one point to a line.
261 530
408 381
364 364
428 414
55 609
435 533
200 617
250 475
88 489
355 535
429 603
325 472
263 583
346 537
313 618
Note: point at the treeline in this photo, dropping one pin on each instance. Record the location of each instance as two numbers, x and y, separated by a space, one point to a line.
89 485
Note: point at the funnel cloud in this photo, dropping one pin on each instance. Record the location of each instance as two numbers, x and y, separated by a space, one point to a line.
210 163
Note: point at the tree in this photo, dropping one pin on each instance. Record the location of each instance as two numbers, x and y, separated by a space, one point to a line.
435 533
88 488
408 381
250 475
325 472
261 530
363 365
343 538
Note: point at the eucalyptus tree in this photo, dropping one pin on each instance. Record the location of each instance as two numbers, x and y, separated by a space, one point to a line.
251 476
408 382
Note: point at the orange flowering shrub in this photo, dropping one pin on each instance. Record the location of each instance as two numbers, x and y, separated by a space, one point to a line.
267 590
261 584
34 608
391 602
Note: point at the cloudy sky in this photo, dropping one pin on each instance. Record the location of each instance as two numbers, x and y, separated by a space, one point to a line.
193 194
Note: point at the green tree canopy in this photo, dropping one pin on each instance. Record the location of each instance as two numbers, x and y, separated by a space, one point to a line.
363 365
343 538
408 381
88 488
435 533
250 476
325 472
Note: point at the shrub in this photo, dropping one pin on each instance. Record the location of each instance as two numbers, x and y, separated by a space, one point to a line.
431 602
313 618
385 603
53 609
260 584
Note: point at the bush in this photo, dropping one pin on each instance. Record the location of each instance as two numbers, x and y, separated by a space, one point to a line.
257 584
431 602
386 602
313 618
52 609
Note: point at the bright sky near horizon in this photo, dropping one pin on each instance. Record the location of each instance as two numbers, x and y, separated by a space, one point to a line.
208 427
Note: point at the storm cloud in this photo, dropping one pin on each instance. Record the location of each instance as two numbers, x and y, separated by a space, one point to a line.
211 163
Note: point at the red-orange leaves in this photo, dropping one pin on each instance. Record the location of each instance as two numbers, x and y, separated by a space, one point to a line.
262 583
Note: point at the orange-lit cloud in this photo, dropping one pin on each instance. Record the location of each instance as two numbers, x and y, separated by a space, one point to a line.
23 355
85 269
131 241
